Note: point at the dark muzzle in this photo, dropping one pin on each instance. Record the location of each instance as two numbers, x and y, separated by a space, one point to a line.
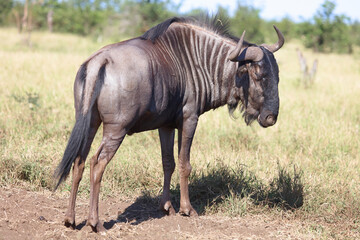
267 118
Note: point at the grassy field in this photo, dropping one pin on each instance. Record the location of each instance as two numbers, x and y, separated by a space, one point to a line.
309 162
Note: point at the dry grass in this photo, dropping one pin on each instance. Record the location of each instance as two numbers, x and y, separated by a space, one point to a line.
238 170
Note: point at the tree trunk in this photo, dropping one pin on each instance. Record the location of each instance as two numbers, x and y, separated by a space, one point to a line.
24 20
50 20
17 19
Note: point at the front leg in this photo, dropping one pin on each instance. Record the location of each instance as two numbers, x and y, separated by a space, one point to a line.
167 155
186 135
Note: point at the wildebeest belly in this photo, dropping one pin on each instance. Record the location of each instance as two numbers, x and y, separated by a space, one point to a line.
150 121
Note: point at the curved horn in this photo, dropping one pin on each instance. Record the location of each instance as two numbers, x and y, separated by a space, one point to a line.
236 52
274 47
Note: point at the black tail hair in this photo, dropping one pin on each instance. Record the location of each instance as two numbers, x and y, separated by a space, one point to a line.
77 144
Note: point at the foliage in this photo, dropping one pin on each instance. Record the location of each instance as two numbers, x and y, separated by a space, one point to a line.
77 16
153 12
248 18
287 26
355 33
327 32
5 9
136 17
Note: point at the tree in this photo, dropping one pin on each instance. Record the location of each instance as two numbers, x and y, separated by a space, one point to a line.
248 18
137 16
5 9
327 32
153 12
355 32
287 27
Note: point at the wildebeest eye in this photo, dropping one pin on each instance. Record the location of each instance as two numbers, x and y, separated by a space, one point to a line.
242 70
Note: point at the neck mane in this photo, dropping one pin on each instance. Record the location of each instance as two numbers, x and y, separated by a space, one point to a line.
215 25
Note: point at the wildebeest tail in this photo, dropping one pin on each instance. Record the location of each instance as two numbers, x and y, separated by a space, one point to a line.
77 144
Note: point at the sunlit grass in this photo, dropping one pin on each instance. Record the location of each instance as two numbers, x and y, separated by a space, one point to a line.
317 133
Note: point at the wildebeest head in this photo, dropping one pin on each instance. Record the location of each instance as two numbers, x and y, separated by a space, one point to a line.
258 78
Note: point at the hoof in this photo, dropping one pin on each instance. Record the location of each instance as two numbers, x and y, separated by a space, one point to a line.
69 222
96 227
190 212
168 208
170 211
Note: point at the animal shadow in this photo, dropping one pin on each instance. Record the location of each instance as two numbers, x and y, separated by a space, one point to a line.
221 183
143 209
214 187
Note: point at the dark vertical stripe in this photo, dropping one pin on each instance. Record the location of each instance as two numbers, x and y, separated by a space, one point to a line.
199 60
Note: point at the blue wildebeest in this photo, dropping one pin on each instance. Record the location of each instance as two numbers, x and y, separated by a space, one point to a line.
165 80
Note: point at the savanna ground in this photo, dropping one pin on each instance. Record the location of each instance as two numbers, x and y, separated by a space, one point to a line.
297 179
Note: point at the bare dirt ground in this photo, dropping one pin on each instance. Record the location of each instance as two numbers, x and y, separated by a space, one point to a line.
38 215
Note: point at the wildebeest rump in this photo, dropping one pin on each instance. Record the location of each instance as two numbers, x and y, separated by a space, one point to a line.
165 80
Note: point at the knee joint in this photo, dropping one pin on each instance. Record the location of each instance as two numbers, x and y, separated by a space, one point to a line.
185 169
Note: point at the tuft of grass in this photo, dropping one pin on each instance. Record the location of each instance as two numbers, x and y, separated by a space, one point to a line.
208 190
285 191
34 173
31 99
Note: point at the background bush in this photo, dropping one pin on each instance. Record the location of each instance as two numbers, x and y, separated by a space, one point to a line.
119 19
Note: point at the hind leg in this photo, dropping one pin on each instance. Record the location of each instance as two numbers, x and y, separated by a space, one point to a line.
167 155
113 136
78 169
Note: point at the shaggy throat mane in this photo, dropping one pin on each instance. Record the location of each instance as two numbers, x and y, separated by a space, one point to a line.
248 112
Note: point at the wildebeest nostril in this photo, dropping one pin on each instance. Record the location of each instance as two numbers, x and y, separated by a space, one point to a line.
267 118
270 120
